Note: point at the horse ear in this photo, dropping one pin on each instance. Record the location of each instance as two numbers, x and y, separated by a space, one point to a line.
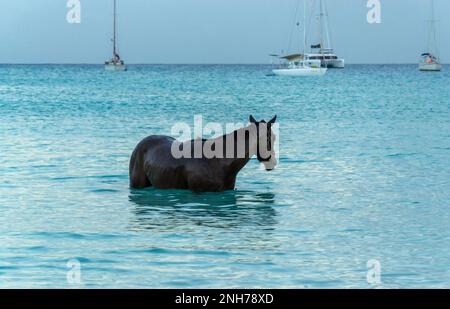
252 120
273 120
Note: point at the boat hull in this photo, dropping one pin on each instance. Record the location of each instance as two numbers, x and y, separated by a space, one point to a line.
327 60
300 72
115 67
430 67
334 64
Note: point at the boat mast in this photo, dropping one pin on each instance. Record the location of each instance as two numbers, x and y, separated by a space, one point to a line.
320 23
327 26
114 29
323 26
432 42
304 28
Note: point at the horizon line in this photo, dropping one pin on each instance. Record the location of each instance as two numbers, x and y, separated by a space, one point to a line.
193 63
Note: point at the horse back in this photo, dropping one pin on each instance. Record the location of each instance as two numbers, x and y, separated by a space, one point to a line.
153 164
138 175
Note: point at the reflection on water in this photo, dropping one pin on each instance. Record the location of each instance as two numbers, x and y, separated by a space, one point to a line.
177 209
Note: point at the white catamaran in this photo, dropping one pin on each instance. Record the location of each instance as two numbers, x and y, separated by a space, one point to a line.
325 52
115 63
430 59
297 64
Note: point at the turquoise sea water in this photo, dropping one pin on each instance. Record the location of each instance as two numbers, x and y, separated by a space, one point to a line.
364 174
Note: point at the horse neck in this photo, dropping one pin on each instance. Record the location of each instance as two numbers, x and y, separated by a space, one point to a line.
251 145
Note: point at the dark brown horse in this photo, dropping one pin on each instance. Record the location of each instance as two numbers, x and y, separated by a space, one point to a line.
201 165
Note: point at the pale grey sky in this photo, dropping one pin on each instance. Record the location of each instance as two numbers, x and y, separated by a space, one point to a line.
209 31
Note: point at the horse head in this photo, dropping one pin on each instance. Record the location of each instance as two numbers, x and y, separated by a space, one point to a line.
265 142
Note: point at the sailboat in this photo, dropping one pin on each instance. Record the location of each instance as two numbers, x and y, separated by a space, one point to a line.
115 63
430 59
325 52
297 64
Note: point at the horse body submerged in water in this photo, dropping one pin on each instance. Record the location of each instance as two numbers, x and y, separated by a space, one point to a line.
165 163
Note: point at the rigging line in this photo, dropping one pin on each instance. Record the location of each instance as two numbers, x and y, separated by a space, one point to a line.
312 18
321 23
114 29
435 43
294 25
315 21
327 21
116 8
431 31
304 28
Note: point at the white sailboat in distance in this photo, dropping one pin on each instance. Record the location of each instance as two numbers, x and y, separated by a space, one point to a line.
115 63
430 59
297 64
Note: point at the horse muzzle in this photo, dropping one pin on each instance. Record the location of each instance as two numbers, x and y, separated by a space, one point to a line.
270 165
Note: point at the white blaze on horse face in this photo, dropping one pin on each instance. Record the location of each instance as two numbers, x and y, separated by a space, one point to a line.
273 162
266 146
